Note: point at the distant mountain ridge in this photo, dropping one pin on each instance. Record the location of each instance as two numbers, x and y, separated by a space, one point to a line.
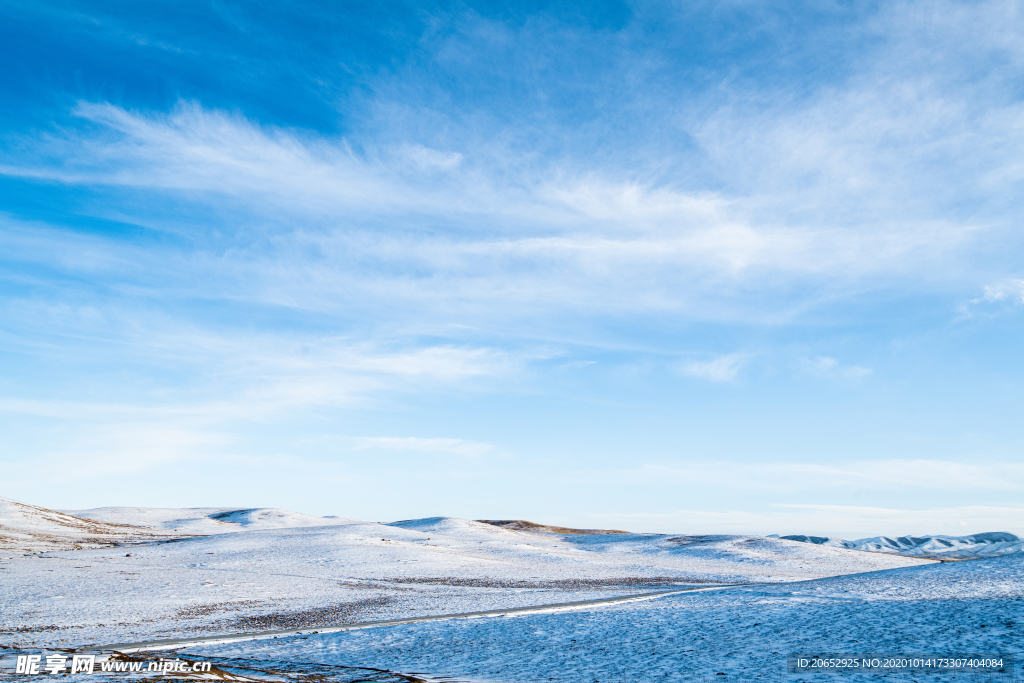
954 547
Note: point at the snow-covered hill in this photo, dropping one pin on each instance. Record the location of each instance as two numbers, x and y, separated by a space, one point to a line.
206 520
952 547
31 529
226 570
523 525
258 569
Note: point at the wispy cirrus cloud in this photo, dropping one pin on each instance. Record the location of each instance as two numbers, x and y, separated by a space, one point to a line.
910 474
1010 290
720 369
994 297
826 366
459 447
547 230
840 521
500 193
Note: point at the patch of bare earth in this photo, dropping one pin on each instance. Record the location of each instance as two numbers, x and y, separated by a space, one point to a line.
556 584
523 525
29 529
330 615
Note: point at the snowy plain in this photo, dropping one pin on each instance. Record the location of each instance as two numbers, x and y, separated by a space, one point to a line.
130 574
743 633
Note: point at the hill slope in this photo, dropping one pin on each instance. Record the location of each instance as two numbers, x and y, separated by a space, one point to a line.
31 529
951 547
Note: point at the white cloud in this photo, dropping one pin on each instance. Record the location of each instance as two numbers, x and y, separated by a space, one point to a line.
257 381
826 366
1011 290
107 451
413 443
846 183
821 364
555 231
894 475
995 297
426 158
228 375
721 369
850 522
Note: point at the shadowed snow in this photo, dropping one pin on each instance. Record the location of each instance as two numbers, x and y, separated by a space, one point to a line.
957 547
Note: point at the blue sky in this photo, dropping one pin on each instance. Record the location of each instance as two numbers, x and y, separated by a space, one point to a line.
687 267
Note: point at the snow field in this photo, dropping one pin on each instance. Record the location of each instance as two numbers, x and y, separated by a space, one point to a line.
265 577
744 633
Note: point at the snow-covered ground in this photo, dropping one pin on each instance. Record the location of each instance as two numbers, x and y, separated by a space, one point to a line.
27 529
744 633
206 520
266 569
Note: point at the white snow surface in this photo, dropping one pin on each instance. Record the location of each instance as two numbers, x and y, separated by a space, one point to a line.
270 572
206 520
961 547
262 569
28 528
741 634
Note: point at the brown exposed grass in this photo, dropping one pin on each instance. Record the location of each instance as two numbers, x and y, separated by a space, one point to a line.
556 584
523 525
31 529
